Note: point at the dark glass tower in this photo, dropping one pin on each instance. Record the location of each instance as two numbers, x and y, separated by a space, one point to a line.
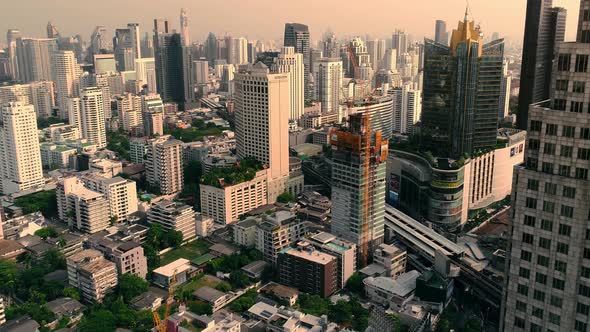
544 27
297 36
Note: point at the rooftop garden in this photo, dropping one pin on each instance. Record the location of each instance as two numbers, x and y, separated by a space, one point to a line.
220 177
196 132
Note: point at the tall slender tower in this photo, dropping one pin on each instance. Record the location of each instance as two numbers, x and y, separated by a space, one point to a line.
297 36
184 28
547 282
441 35
66 75
544 29
11 36
34 58
52 31
92 116
20 161
291 62
359 158
328 83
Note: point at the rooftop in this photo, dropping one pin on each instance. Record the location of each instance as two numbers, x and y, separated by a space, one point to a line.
255 267
208 294
179 265
307 252
65 306
402 286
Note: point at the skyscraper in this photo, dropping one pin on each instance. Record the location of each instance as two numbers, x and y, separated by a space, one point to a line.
329 83
504 105
359 158
211 48
297 36
20 160
52 31
34 58
66 75
92 116
462 86
100 41
441 35
407 107
292 63
164 164
127 47
547 282
263 104
184 28
399 42
11 36
145 71
544 28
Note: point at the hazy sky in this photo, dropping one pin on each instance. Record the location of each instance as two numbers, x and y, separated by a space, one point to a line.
265 19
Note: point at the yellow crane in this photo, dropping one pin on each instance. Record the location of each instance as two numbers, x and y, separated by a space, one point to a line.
160 324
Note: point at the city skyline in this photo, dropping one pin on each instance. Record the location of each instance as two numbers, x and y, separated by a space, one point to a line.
507 19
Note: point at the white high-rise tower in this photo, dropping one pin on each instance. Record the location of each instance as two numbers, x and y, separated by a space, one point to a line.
184 28
329 82
66 74
92 116
291 62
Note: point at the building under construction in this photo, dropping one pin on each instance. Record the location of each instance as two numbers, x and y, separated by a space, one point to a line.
359 158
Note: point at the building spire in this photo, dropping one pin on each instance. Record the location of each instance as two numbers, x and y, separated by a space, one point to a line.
466 19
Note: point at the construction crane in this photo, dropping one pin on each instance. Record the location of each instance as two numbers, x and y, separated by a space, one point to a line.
160 324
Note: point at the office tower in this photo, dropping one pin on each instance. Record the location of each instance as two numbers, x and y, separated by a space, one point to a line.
174 216
11 36
92 274
241 46
211 48
463 114
126 47
19 148
52 31
399 42
100 41
376 50
252 53
34 58
147 46
379 107
297 36
173 62
164 165
184 28
263 103
104 63
504 104
227 78
547 285
145 71
441 35
329 83
92 116
152 113
331 46
39 94
66 73
201 71
407 107
358 184
292 63
135 39
544 29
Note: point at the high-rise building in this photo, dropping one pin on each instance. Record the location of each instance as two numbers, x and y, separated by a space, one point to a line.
297 36
104 63
292 63
19 148
379 107
120 193
359 158
83 209
362 58
152 114
92 274
164 164
39 94
34 58
544 29
407 107
211 48
399 42
127 47
462 114
184 28
548 246
92 116
145 71
201 71
100 41
174 216
52 31
11 36
263 104
441 35
504 104
329 83
66 73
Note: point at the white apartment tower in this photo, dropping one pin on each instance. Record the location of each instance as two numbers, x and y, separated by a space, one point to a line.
174 216
164 164
34 58
145 71
291 62
407 107
83 209
92 118
66 74
329 84
120 193
19 148
39 94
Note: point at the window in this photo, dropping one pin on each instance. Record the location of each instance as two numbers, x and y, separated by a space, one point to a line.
549 148
564 62
551 129
565 230
547 168
585 36
548 206
580 326
535 125
526 255
536 328
560 266
583 309
543 260
519 322
547 225
586 253
585 133
529 221
537 312
569 192
544 243
581 63
585 272
541 278
534 144
539 295
558 284
579 86
577 107
531 203
554 319
567 211
550 188
528 238
556 301
559 104
563 248
522 289
583 154
586 15
568 131
565 170
566 151
533 184
524 272
531 163
581 173
520 306
561 85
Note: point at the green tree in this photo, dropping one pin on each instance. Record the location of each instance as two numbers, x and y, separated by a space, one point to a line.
53 260
72 293
130 286
172 238
101 320
355 283
44 201
239 279
8 276
223 287
313 304
46 232
200 308
285 197
340 312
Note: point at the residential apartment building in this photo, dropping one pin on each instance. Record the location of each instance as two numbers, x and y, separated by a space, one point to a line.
40 94
164 164
174 216
128 256
82 208
343 250
277 231
92 275
121 194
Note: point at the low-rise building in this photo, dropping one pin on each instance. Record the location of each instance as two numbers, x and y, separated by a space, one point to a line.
344 251
174 216
277 231
106 167
92 274
215 298
245 231
388 291
55 156
128 256
204 225
66 307
61 132
391 256
254 270
180 268
10 249
280 292
121 194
